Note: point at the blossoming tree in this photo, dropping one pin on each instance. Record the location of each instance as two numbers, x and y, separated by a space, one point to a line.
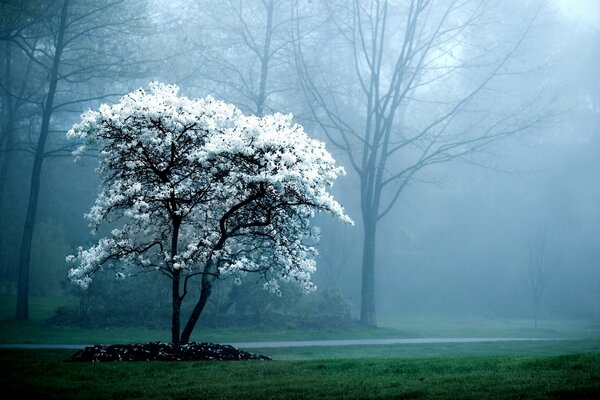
197 189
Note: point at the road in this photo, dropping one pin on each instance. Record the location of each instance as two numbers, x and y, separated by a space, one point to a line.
308 343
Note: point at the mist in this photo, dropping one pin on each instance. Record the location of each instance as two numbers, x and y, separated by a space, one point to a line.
471 151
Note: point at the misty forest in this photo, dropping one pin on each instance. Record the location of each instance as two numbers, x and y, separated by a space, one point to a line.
260 171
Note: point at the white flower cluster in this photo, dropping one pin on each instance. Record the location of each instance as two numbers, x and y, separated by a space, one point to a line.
236 192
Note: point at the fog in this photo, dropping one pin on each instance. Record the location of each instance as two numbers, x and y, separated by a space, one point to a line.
489 203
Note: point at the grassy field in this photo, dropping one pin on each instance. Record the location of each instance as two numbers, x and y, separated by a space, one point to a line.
36 331
442 350
566 368
44 375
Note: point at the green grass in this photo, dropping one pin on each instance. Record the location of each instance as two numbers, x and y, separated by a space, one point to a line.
495 370
36 331
414 326
43 374
441 350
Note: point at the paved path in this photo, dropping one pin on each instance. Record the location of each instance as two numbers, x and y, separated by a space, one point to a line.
309 343
368 342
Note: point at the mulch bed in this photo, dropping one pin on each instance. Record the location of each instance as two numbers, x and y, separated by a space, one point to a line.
163 352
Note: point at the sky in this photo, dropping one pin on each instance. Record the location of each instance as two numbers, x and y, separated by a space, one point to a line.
585 11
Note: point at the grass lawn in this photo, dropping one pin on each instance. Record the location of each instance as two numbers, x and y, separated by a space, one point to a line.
42 374
36 331
568 368
481 327
440 350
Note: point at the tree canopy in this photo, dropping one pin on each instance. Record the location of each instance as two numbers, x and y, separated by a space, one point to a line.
199 189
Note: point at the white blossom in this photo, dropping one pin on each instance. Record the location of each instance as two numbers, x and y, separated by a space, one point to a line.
239 190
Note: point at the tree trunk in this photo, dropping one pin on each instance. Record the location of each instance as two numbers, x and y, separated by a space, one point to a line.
207 285
7 264
34 190
176 297
8 111
8 152
367 309
264 61
176 315
535 314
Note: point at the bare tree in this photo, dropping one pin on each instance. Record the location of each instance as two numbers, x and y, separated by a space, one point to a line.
18 86
538 271
417 95
72 44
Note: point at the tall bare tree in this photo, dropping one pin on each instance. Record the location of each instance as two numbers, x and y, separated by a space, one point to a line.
403 86
18 88
72 44
538 271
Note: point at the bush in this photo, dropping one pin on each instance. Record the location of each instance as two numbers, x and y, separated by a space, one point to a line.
246 306
143 302
109 302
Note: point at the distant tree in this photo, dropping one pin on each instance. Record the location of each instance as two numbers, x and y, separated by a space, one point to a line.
17 85
538 271
76 50
401 86
200 190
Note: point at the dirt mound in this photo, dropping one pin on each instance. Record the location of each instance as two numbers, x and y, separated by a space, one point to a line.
162 352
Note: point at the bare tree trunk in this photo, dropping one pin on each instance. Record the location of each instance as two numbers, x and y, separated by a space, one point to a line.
538 269
6 155
176 307
7 160
177 299
8 109
367 309
264 61
34 191
207 285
